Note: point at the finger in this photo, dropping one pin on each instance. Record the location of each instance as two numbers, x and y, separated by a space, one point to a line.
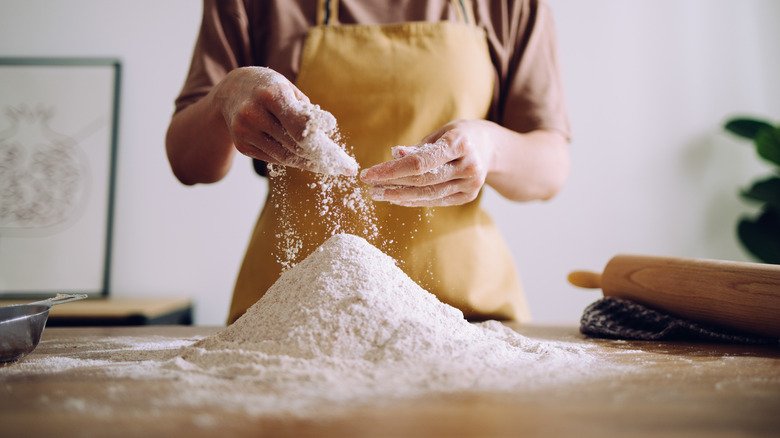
275 95
401 151
268 149
312 130
282 104
299 95
435 135
455 199
296 114
414 162
441 174
394 193
273 152
257 128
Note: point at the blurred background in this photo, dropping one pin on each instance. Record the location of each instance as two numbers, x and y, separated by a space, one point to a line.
650 84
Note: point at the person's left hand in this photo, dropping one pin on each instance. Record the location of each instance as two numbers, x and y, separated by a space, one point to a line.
448 167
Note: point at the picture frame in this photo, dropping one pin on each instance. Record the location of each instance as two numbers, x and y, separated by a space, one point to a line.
58 150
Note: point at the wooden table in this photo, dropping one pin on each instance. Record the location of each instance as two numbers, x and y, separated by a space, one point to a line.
684 390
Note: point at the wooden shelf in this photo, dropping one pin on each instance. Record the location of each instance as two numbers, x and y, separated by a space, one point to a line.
118 312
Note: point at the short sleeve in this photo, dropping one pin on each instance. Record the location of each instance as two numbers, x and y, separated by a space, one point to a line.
223 44
529 93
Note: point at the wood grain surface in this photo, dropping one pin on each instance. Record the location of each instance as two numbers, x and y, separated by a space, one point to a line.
681 390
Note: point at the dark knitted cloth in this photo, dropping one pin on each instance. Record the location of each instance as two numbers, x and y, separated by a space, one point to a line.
615 318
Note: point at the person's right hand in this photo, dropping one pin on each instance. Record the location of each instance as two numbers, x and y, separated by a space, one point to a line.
271 120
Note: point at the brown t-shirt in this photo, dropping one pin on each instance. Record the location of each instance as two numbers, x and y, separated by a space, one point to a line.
271 33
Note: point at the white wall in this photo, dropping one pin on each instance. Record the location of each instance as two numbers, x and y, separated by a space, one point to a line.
649 85
170 240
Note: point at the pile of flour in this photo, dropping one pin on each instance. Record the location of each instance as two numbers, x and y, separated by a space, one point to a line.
343 327
346 324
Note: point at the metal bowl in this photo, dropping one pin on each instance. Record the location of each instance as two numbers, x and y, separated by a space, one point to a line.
21 326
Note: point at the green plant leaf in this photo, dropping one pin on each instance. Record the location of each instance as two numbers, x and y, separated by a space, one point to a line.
761 235
767 190
745 127
767 142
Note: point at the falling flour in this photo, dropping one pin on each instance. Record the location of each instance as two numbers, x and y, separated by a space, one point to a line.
336 191
342 205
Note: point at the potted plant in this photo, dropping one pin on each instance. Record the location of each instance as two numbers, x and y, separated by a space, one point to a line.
760 234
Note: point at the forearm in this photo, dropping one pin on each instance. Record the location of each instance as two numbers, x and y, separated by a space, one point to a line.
198 144
527 167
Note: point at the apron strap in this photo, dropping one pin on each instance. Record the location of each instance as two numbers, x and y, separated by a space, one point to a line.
464 9
328 12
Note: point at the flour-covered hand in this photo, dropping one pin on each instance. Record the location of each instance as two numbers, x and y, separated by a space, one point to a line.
271 120
448 167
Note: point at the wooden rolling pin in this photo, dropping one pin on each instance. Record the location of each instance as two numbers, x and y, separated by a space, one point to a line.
736 295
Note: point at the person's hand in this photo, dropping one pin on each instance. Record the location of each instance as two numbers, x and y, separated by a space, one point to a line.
269 119
448 167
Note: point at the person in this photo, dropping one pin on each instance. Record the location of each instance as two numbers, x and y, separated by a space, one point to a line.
471 90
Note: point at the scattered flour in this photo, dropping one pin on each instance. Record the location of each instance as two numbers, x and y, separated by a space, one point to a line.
342 206
338 194
344 326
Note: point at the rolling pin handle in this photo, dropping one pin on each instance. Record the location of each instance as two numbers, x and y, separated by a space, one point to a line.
585 279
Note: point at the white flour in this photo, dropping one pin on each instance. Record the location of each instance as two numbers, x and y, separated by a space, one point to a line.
336 191
343 326
349 301
342 205
319 142
346 324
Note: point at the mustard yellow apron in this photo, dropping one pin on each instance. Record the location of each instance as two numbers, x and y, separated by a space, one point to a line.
391 85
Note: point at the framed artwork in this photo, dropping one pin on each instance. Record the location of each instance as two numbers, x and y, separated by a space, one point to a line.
58 141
